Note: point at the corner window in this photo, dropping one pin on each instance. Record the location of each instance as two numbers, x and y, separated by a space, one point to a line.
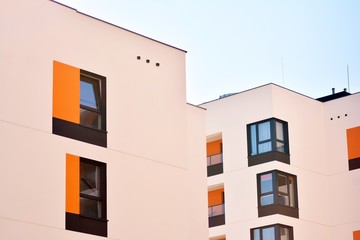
85 195
277 194
272 232
79 104
268 141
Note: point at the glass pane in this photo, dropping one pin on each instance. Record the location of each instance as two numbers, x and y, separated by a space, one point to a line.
90 208
266 183
216 210
215 159
264 131
282 183
253 140
283 199
268 233
279 131
267 199
280 146
265 147
256 234
292 191
284 233
90 119
88 95
89 179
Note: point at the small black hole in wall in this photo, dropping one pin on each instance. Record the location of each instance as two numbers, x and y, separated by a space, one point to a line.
331 118
138 57
338 116
345 115
157 64
147 60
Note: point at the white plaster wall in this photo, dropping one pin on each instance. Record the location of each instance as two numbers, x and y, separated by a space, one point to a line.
156 171
308 159
344 188
138 93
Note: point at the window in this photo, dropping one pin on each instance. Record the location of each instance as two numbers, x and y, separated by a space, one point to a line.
272 232
216 207
92 191
214 157
85 195
79 104
268 141
277 194
353 147
90 102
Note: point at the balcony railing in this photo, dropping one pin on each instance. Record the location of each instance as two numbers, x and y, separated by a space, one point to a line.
216 210
214 164
214 159
216 215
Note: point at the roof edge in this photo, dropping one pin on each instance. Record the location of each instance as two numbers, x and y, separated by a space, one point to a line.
114 25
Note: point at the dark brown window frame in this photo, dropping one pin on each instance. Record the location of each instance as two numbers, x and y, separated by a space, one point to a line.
84 133
277 231
277 207
86 224
272 155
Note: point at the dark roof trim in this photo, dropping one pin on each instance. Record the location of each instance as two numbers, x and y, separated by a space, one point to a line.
98 19
273 84
333 96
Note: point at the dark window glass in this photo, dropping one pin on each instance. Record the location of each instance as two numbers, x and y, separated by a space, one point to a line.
277 188
90 107
89 91
272 232
267 136
268 141
92 194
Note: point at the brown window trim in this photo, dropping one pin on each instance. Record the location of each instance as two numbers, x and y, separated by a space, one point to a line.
273 155
85 224
101 96
277 231
276 207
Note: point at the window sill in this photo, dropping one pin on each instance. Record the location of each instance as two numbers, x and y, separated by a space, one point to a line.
268 157
79 132
78 223
278 209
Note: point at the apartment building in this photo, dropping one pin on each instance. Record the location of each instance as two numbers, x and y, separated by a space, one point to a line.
283 166
97 139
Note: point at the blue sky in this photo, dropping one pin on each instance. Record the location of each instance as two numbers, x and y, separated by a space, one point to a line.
234 45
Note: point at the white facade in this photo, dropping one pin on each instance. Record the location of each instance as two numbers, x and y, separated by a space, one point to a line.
156 185
328 192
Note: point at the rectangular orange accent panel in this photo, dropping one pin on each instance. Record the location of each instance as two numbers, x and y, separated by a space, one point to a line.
72 184
356 235
215 197
353 142
66 92
214 147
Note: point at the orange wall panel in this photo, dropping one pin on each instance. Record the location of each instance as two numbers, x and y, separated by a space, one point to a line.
72 184
353 142
214 147
356 235
66 92
215 197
